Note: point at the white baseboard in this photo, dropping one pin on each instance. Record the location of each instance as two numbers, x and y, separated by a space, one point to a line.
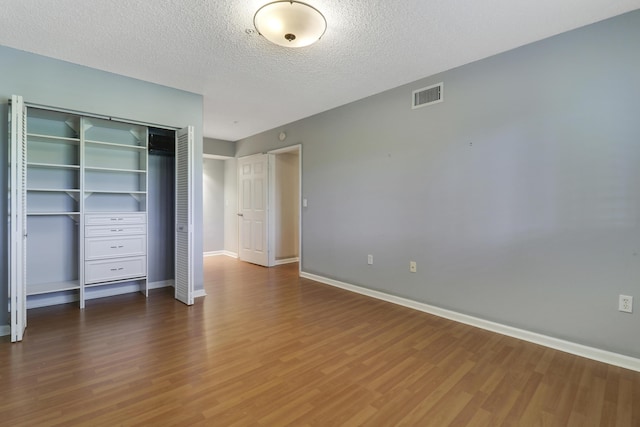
286 261
5 330
161 284
212 253
593 353
170 283
219 253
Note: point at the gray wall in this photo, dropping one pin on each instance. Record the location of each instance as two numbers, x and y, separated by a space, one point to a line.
518 196
213 204
46 81
218 147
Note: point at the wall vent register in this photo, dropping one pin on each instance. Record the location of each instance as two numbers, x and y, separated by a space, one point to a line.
427 96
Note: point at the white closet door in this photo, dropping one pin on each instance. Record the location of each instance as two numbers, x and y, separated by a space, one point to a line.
18 219
184 216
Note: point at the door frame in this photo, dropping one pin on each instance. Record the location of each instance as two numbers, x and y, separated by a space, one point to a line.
271 228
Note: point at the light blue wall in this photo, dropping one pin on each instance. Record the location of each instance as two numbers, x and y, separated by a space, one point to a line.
518 196
60 84
231 206
213 204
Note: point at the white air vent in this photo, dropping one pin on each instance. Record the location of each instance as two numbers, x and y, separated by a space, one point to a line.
427 95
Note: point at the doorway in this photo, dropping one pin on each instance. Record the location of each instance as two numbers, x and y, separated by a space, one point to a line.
285 205
270 233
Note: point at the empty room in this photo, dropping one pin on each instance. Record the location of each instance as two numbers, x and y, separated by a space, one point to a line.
253 213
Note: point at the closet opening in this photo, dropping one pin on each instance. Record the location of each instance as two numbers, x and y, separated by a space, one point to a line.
161 212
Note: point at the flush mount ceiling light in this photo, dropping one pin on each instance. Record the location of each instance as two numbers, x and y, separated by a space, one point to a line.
290 23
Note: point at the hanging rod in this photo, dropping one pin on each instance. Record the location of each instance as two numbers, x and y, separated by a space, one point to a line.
97 116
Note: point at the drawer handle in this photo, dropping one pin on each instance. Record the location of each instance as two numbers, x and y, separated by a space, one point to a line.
115 230
117 269
117 219
116 247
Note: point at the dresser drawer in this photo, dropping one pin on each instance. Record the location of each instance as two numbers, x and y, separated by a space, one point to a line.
108 247
115 218
117 230
114 269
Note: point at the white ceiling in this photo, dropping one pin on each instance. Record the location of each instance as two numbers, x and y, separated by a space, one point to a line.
250 85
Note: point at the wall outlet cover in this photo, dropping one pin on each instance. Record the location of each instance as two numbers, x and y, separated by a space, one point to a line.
625 303
413 267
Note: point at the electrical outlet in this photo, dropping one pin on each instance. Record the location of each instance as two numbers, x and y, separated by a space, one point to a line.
369 259
413 267
625 303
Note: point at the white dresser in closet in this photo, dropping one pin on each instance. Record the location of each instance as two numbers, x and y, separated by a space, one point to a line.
115 247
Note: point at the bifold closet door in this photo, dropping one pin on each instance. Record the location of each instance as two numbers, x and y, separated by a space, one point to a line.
18 218
184 216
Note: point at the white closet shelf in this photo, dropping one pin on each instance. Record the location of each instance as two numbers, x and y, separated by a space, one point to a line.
45 288
115 192
62 139
52 166
113 282
52 213
114 145
55 190
103 169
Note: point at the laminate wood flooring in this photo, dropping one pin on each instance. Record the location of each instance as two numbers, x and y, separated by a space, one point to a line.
266 348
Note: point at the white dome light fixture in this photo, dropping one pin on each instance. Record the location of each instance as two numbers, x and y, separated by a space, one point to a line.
290 23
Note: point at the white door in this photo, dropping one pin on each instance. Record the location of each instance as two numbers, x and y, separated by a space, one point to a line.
18 219
184 216
253 183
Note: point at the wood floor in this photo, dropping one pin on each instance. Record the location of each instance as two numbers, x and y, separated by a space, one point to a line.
265 348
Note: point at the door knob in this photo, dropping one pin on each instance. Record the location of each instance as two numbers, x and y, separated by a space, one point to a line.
240 214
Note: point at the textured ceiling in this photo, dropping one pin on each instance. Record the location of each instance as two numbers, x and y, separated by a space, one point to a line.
250 85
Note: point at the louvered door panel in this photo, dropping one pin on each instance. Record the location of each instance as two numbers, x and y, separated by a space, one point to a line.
18 220
184 216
